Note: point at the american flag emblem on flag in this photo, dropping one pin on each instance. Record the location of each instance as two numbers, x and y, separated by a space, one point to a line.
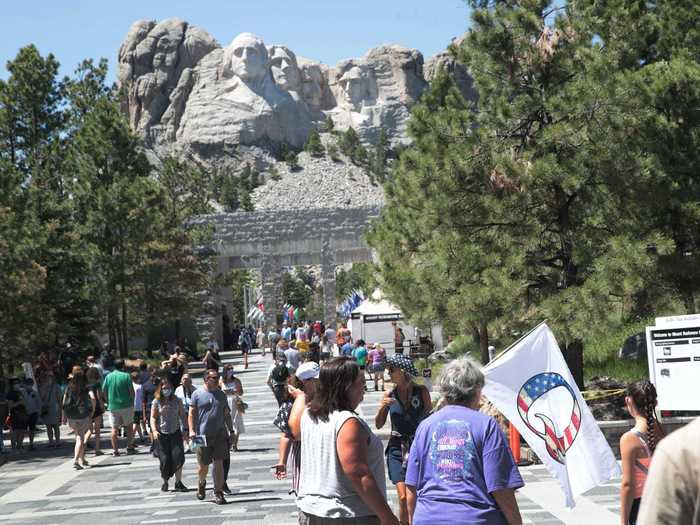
536 387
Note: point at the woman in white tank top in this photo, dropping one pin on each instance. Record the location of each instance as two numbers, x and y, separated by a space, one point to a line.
342 461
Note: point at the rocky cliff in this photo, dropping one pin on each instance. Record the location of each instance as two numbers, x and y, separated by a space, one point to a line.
186 92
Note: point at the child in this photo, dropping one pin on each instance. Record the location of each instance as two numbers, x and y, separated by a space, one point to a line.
139 425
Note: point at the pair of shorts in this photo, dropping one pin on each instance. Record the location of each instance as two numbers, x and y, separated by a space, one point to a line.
121 417
394 463
79 426
138 416
216 449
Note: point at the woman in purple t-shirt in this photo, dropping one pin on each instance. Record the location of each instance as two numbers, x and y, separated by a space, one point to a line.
460 469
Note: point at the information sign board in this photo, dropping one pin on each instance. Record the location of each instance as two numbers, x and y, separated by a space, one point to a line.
673 352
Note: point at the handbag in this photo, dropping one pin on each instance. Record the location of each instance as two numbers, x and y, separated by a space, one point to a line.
241 405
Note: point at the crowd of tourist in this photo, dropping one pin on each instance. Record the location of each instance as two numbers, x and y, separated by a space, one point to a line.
448 465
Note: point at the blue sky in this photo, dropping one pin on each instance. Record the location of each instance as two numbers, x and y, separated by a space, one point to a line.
324 30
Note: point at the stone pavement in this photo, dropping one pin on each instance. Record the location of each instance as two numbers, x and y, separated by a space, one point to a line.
41 487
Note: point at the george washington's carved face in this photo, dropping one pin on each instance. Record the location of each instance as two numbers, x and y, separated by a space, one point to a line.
247 58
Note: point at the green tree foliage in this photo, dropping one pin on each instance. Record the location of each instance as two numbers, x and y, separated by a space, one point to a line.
531 205
292 159
313 145
333 152
361 276
90 241
328 124
378 159
22 276
350 145
30 109
297 288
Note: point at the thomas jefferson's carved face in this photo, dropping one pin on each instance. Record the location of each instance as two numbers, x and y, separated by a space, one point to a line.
247 57
284 68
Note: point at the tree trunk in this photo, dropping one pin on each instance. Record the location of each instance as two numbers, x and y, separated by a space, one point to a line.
573 355
124 350
688 299
484 343
112 326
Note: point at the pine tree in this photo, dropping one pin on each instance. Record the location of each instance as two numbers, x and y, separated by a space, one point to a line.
378 159
494 219
328 124
313 145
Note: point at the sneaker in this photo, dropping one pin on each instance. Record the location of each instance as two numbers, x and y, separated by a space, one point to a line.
202 490
164 487
130 451
179 487
99 453
77 466
226 490
116 454
219 498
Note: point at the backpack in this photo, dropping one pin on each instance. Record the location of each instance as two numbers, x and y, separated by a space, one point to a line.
280 373
74 406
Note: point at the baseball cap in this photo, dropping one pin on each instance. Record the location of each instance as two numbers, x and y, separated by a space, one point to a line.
308 370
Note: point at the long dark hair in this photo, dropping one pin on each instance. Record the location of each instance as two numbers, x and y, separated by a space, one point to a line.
159 394
643 394
78 381
335 378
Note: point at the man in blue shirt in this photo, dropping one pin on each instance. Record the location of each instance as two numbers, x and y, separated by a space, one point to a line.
209 418
286 331
347 349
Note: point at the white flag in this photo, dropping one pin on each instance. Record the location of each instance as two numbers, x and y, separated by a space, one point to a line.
532 386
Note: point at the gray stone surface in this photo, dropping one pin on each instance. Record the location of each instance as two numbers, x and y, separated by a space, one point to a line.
459 73
126 490
186 93
319 183
272 240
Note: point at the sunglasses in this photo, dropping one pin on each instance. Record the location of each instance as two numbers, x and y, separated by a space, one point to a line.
212 377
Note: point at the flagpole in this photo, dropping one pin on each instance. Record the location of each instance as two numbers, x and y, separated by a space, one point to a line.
501 354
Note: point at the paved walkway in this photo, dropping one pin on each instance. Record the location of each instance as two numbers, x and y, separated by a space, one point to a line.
41 487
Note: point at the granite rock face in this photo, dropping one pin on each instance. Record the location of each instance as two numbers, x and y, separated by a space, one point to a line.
377 92
187 93
156 61
457 71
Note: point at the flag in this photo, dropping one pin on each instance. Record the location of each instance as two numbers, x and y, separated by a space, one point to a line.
533 388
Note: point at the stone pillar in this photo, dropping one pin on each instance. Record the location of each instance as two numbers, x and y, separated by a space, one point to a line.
271 279
328 282
223 299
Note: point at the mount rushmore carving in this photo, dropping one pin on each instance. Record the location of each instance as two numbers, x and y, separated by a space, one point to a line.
184 90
